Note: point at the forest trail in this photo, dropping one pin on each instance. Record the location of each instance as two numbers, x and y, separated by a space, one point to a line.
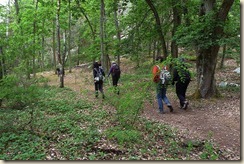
215 119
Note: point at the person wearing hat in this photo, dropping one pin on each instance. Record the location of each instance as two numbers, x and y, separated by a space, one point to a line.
115 72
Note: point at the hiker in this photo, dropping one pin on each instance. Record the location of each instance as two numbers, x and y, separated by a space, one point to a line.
58 71
98 75
160 87
115 72
182 77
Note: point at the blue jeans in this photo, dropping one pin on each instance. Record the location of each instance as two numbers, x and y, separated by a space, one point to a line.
161 96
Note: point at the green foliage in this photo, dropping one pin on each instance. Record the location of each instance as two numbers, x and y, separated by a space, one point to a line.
63 126
199 33
17 94
208 152
179 65
51 122
21 146
124 136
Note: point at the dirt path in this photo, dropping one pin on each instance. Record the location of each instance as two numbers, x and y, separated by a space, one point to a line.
220 124
218 120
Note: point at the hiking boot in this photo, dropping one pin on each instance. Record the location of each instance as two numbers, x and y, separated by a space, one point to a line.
170 108
103 96
185 105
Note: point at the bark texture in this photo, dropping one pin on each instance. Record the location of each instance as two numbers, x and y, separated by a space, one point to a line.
207 57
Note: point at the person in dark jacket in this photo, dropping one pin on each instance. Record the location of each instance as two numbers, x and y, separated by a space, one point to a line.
181 75
115 72
98 75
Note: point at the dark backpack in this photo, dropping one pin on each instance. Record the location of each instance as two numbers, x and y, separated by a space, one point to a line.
99 75
115 70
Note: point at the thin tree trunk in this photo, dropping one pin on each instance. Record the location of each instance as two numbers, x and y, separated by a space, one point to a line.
42 51
53 46
1 63
34 41
102 35
69 40
59 46
158 28
176 23
118 31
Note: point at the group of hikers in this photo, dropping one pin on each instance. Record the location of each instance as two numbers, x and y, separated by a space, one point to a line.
181 79
99 77
161 77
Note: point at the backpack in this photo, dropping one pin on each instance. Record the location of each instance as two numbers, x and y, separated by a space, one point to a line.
116 70
99 75
186 76
156 73
165 76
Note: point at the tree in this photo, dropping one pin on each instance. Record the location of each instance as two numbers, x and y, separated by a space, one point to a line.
116 22
205 34
102 36
176 22
60 56
207 56
158 27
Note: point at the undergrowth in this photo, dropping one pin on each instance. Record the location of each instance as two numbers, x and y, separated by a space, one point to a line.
59 125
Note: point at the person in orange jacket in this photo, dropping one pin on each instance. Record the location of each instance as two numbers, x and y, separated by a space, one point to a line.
160 88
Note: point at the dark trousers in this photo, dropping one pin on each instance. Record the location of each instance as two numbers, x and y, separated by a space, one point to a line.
181 91
99 86
115 79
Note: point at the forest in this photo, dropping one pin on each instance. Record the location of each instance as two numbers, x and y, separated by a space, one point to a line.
49 116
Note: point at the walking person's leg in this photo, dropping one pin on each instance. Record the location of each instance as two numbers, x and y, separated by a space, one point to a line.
166 100
115 83
159 99
180 93
96 88
184 88
101 88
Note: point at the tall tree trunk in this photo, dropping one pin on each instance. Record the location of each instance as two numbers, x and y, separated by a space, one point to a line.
185 12
207 58
59 46
2 71
118 31
69 40
54 44
158 28
176 23
42 51
35 2
102 36
16 4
